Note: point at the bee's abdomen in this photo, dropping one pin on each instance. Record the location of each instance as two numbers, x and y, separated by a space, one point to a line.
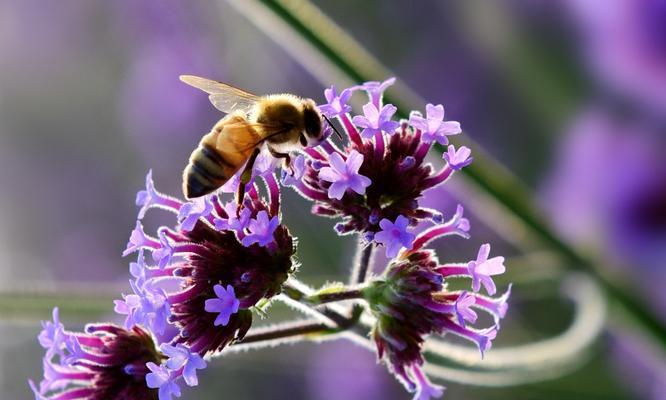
206 171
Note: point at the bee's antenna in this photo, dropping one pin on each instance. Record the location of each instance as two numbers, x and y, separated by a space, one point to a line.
332 126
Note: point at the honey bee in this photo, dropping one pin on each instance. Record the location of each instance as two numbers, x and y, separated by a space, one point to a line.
283 122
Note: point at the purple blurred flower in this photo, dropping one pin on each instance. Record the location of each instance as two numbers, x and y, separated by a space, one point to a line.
607 189
433 127
394 235
625 45
344 175
225 304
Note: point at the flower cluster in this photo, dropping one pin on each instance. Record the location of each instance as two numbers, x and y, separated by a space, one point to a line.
105 362
375 182
374 185
211 270
411 300
195 284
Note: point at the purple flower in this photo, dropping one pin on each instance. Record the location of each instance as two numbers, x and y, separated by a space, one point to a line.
129 306
263 165
433 127
375 121
225 304
104 362
149 198
261 230
344 175
390 172
164 253
190 212
394 235
175 295
458 159
375 90
138 269
148 306
52 337
463 308
337 104
160 377
483 268
293 177
181 357
138 239
411 300
425 390
233 222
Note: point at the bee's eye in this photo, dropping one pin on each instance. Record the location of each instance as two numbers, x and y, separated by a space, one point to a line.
312 123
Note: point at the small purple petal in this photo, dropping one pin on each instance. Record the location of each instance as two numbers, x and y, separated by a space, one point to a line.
225 304
261 230
344 175
394 235
458 159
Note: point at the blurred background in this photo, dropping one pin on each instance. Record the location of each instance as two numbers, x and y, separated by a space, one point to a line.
569 96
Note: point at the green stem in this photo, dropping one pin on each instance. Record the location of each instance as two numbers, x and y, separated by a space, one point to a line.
340 294
286 330
362 264
486 173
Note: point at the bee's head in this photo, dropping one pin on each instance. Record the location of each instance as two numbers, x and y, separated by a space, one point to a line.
312 121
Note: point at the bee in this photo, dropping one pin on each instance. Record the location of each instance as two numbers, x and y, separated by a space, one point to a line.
283 122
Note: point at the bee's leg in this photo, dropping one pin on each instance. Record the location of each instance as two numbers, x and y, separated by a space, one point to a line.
245 178
284 156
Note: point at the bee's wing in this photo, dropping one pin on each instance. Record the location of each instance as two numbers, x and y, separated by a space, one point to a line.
267 131
224 97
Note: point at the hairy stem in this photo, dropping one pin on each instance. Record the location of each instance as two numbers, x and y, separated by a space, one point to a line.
361 262
340 294
287 330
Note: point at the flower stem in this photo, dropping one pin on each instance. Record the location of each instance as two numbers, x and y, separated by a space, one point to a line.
362 262
287 330
340 294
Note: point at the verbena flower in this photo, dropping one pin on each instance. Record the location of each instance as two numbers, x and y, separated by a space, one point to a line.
104 362
381 173
411 300
212 269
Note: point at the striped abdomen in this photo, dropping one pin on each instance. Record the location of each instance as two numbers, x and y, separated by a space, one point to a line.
220 154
